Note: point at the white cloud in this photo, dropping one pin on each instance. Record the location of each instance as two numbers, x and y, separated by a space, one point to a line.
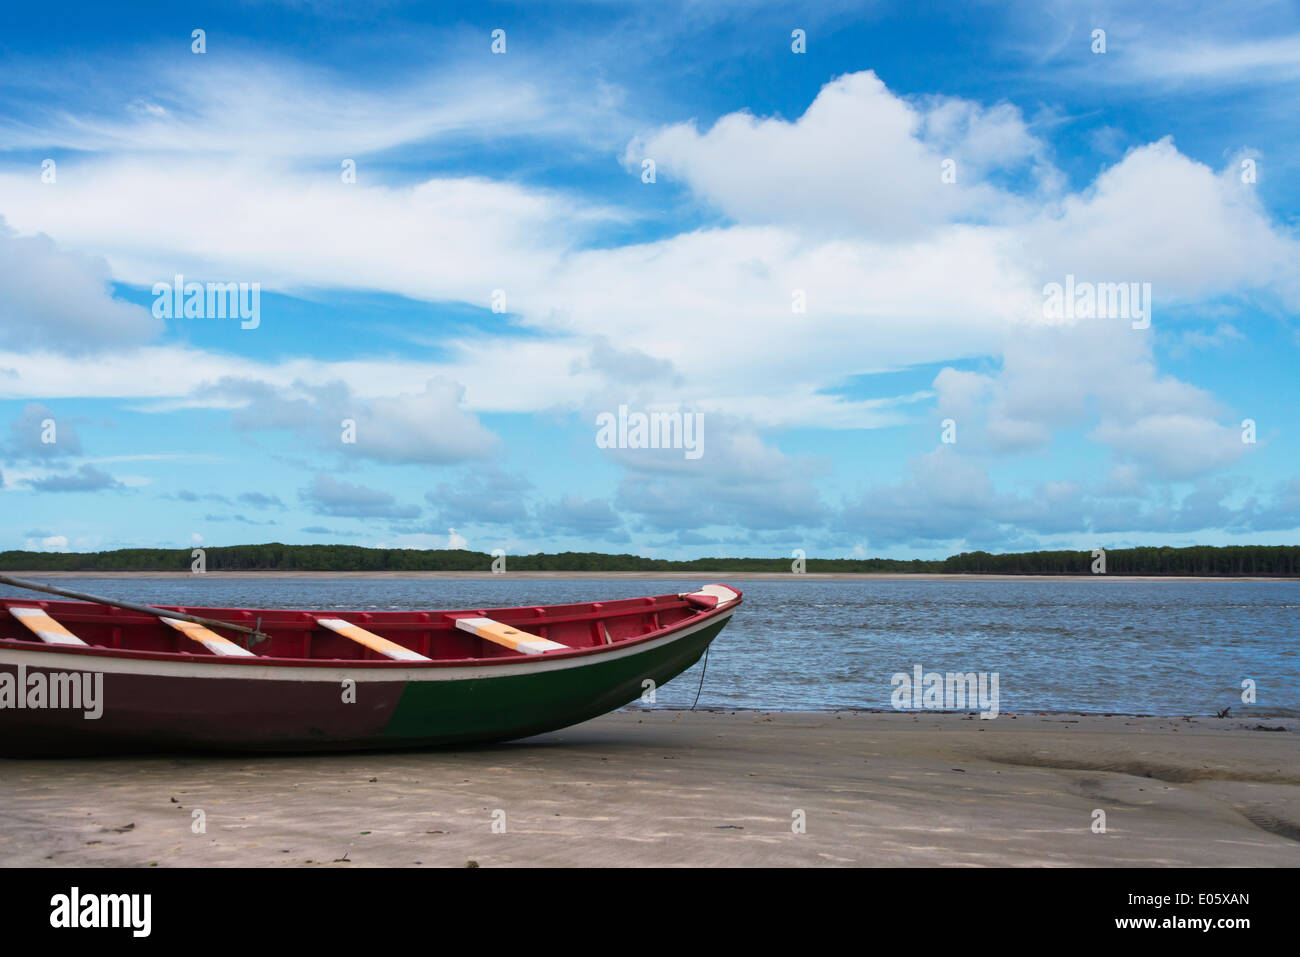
230 104
1159 217
1100 375
38 433
860 159
947 499
426 426
582 517
1208 60
486 496
1175 446
85 478
740 480
328 496
240 220
53 298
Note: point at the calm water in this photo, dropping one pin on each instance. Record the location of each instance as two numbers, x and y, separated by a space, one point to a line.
1149 648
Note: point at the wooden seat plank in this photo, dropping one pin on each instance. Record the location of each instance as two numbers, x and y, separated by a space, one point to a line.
389 649
509 636
209 639
38 621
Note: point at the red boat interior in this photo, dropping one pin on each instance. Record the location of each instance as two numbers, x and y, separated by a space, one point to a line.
410 636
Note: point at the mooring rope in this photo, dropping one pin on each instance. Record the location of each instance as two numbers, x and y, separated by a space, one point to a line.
703 672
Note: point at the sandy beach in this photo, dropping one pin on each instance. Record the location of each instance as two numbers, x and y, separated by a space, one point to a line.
671 788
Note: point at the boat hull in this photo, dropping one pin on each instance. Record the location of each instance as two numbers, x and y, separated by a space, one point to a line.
155 706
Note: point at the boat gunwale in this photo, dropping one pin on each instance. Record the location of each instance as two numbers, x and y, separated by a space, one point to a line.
98 651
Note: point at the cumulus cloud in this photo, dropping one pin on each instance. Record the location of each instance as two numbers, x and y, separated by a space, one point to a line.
943 496
482 497
1175 446
261 500
587 518
328 496
877 160
38 434
86 478
740 480
1097 374
950 501
1158 216
430 426
53 298
630 366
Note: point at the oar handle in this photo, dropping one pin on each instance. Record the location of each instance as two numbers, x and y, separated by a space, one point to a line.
131 606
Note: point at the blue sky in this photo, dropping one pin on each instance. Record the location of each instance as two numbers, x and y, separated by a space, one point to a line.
840 261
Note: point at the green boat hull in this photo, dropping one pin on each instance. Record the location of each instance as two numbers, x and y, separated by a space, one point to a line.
497 709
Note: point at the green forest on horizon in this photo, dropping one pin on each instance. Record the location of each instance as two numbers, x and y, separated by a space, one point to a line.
1203 560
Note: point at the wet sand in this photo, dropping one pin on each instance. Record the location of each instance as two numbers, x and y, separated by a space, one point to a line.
640 788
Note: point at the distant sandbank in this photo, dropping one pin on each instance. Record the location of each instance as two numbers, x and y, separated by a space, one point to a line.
691 575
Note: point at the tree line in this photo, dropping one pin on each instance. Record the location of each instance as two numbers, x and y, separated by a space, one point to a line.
1226 561
1273 561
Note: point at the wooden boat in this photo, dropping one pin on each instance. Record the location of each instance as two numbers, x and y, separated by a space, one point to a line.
80 677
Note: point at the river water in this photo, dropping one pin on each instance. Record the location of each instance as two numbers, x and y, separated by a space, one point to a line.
1165 648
